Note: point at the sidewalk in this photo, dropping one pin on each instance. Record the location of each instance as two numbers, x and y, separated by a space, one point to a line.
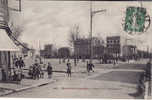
8 88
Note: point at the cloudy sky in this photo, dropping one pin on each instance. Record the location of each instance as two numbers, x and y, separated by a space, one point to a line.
50 21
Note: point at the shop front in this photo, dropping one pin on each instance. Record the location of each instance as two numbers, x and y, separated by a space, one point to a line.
7 54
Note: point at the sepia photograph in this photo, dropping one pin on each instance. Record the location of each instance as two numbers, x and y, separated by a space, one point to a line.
76 49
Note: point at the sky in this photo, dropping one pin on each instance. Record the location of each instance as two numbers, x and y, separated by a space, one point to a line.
49 22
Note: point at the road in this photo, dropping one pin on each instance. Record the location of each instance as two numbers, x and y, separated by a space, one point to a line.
106 82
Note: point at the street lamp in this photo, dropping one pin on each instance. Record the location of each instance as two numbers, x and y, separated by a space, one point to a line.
92 13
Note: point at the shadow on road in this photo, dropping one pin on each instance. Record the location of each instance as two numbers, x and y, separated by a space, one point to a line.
120 76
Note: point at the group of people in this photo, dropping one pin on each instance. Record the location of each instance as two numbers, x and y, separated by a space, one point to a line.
90 67
19 63
17 71
36 71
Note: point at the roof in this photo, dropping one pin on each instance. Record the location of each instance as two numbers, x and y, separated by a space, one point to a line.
6 44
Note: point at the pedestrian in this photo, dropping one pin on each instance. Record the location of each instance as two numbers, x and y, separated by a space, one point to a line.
17 63
3 74
148 70
59 60
15 76
88 67
37 69
30 73
21 63
75 62
34 72
69 69
49 70
91 66
41 71
114 61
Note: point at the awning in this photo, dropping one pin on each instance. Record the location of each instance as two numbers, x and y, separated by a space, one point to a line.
6 44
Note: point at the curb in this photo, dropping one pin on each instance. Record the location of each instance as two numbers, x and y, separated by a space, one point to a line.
26 88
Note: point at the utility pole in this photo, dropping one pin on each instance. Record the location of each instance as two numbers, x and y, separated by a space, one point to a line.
92 13
20 3
91 31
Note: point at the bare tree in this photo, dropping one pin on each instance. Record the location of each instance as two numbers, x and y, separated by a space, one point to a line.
16 30
74 34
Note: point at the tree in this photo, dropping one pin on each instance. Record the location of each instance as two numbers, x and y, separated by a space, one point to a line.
16 30
64 52
74 34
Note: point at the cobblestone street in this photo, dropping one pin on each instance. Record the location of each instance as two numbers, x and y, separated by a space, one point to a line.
106 82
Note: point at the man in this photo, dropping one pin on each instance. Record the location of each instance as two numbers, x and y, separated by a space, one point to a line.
88 67
69 69
91 66
49 70
16 62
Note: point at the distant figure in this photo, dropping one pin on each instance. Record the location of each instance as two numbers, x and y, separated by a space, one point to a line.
34 71
41 71
91 66
75 62
17 63
59 61
64 60
3 74
30 73
100 60
69 69
21 63
148 70
114 61
68 60
49 70
37 70
87 66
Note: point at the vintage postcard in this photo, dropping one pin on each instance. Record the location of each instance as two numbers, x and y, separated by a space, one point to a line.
76 49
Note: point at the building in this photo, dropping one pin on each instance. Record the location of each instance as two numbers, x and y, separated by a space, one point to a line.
9 48
129 51
82 47
49 51
118 46
114 45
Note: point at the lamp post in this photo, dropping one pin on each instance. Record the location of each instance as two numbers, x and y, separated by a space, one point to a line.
92 13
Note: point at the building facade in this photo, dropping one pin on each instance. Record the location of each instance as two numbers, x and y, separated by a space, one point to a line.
49 51
129 51
114 45
8 47
118 46
82 48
